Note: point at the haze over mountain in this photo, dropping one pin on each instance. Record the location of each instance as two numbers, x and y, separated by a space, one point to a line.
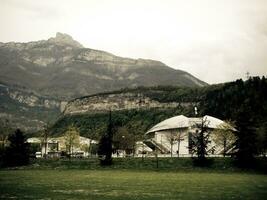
61 67
38 78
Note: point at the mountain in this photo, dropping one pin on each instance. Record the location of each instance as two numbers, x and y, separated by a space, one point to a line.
61 67
27 110
36 74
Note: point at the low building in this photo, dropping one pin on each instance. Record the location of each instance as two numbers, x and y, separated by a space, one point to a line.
141 149
58 146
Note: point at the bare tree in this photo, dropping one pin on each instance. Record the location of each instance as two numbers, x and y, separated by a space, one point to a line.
175 136
5 130
71 137
44 140
171 138
179 137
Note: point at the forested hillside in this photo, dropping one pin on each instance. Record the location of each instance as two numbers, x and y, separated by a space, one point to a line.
229 101
232 98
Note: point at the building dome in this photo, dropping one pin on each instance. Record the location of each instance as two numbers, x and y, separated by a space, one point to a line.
176 122
180 121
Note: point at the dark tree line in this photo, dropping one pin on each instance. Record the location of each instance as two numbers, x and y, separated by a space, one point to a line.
245 103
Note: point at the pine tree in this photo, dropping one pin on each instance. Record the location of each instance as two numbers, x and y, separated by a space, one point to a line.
17 153
105 144
246 144
199 142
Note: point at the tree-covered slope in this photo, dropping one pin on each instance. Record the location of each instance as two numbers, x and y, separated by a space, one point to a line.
224 101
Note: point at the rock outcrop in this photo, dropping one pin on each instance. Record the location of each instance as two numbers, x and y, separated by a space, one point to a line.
65 40
114 102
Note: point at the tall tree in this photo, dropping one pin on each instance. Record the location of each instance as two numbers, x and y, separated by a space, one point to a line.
17 153
105 144
262 139
246 145
200 140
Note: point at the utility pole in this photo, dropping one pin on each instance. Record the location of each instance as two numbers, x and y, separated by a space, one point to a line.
247 75
45 139
110 136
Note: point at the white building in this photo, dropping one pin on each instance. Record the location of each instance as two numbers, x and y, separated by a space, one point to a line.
53 147
172 136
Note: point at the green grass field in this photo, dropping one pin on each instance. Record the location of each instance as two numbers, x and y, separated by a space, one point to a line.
130 184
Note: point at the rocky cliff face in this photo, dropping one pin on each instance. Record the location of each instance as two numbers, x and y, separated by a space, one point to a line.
114 102
30 99
60 67
26 110
62 39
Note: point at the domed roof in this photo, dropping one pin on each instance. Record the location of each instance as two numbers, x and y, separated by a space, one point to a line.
179 121
216 123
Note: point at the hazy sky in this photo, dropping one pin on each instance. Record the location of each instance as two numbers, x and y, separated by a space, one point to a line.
215 40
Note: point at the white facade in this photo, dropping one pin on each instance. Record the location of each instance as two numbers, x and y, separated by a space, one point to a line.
179 141
54 146
171 137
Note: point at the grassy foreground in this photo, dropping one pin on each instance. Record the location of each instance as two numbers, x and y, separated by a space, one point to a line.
130 184
133 178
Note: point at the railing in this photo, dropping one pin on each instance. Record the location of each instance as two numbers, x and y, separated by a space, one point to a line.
153 144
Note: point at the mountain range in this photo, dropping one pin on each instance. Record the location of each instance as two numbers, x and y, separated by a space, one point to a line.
45 74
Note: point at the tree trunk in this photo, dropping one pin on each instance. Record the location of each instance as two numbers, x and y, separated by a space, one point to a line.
224 147
157 159
171 147
179 140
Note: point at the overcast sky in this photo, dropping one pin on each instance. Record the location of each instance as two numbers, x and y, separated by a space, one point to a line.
215 40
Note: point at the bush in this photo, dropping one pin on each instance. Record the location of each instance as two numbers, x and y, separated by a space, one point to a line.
202 162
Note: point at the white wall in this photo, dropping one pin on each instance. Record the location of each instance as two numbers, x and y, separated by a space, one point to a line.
162 138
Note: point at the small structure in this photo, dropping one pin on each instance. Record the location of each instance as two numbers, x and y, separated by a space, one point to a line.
55 147
141 149
172 137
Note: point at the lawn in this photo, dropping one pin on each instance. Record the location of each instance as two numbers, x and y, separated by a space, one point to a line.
130 184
